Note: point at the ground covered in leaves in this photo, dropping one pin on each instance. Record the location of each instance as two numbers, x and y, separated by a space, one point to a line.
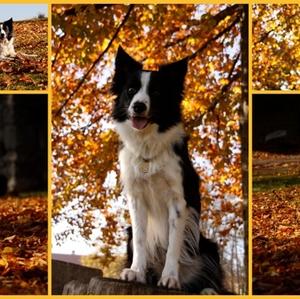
23 245
29 69
276 224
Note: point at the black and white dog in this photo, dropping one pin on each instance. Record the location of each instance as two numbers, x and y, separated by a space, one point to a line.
7 40
159 181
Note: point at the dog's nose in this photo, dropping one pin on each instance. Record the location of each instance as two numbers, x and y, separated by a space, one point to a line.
139 107
2 35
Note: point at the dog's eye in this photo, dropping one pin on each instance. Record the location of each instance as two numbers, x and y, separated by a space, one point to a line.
131 91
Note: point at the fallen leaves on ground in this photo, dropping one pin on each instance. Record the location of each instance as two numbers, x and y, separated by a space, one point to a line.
23 246
276 241
29 70
275 165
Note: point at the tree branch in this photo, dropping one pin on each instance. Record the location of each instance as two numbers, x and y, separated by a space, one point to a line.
58 50
217 18
265 35
73 11
131 6
214 38
231 78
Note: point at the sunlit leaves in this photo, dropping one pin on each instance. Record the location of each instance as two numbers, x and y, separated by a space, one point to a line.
84 144
275 48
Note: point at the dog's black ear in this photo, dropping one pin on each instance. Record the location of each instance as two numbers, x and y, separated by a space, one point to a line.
124 65
125 61
175 72
8 28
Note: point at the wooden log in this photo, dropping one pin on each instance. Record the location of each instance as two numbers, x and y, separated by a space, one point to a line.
108 286
63 273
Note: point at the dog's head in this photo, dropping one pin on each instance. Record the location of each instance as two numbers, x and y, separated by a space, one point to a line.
6 30
147 97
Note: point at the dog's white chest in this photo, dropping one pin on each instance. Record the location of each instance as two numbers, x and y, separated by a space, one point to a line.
155 182
7 48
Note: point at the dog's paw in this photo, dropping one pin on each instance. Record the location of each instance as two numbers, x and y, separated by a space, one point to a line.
209 291
131 275
170 282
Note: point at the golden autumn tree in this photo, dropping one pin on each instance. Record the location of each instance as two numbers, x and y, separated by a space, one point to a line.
276 46
85 39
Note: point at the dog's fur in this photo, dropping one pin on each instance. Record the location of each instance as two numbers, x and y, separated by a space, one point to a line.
159 181
7 40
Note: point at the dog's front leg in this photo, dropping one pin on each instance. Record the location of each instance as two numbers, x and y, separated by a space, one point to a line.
138 215
177 219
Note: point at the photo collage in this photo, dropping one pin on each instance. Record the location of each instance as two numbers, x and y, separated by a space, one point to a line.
150 149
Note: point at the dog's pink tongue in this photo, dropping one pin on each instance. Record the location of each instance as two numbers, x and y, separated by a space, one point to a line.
139 122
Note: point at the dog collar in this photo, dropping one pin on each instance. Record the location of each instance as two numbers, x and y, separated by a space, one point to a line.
145 165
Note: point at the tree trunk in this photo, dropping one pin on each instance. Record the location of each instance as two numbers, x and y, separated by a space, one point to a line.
244 131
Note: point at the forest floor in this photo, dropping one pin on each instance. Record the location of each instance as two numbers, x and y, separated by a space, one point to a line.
23 245
29 69
276 224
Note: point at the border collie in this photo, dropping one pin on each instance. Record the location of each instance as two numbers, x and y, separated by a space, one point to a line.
7 40
159 181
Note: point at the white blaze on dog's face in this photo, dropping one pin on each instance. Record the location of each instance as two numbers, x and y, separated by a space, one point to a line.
140 103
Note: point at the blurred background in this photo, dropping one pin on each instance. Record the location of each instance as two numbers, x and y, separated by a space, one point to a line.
23 143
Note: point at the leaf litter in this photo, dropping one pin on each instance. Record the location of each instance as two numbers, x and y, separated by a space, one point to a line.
23 246
276 231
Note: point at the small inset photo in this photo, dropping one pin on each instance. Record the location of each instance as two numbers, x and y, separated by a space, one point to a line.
23 47
23 195
276 194
275 46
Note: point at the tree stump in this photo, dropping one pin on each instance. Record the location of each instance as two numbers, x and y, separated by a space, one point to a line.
63 273
108 286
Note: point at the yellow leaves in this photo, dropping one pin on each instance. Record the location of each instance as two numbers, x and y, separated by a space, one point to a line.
237 90
224 81
105 43
223 179
84 157
106 136
3 262
59 10
7 250
4 265
91 145
276 40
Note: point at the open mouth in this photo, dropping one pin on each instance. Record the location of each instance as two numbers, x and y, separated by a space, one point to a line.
139 123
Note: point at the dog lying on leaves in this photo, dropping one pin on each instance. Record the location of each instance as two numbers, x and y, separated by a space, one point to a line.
159 181
7 40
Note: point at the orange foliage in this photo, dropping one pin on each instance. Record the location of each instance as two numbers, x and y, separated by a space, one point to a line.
85 40
275 48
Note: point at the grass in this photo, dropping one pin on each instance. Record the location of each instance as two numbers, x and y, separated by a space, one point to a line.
267 183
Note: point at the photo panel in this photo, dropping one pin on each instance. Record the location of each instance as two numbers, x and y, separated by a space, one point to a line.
275 46
134 80
24 47
23 194
276 194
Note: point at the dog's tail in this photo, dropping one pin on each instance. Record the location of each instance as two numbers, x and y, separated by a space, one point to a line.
211 273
